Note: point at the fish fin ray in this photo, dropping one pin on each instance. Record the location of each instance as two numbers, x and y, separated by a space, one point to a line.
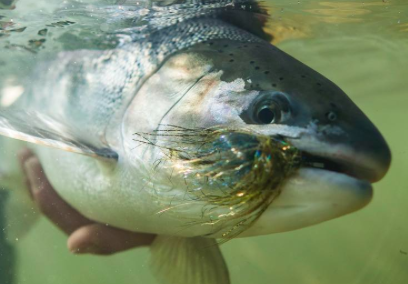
41 129
178 260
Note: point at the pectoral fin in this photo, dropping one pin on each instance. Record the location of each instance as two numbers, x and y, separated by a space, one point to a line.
44 130
198 260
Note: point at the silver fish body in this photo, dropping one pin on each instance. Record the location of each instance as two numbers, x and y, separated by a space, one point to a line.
198 74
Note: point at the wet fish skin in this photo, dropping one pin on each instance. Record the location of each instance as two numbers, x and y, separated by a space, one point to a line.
103 97
88 101
88 93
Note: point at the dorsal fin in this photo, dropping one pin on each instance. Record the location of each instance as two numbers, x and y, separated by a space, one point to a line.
40 129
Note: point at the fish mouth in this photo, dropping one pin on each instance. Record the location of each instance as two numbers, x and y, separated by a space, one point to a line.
349 166
332 181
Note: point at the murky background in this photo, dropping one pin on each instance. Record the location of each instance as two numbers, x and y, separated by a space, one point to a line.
363 47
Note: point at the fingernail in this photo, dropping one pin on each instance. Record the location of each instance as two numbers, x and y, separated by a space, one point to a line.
81 245
89 249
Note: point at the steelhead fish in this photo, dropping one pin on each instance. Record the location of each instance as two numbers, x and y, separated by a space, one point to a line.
201 131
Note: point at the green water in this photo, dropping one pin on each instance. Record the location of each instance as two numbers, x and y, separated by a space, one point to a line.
363 47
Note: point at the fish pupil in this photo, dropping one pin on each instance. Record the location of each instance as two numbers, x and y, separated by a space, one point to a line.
266 115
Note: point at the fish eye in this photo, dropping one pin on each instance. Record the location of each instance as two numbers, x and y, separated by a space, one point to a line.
268 112
267 108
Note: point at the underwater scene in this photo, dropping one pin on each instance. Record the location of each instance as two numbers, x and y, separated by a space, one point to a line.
256 148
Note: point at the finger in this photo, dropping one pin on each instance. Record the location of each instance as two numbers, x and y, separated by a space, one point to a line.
49 202
23 155
104 240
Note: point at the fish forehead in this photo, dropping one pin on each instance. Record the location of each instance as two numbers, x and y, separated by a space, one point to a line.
314 100
264 67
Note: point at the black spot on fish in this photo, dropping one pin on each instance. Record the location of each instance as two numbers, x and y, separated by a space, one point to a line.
281 79
274 85
251 62
319 84
20 47
20 30
231 54
266 72
60 24
36 43
42 32
231 60
256 67
303 76
225 45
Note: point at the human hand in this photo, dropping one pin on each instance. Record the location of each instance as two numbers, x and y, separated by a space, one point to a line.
85 235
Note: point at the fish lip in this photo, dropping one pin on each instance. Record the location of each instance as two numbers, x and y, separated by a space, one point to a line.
361 187
342 164
343 160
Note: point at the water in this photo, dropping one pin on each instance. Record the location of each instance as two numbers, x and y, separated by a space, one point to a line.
363 47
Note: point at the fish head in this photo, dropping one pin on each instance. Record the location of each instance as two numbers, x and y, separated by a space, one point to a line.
259 89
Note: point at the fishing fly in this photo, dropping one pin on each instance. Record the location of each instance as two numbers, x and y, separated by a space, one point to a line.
236 172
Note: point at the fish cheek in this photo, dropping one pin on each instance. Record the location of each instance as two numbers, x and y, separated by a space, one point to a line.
194 109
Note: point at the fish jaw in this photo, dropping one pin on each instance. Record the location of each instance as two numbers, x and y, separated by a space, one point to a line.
335 179
309 197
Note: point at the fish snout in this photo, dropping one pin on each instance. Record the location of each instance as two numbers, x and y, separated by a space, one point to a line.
369 157
356 149
375 156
